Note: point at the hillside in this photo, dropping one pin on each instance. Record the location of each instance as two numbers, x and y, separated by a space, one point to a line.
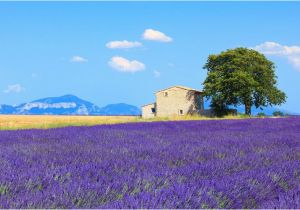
68 105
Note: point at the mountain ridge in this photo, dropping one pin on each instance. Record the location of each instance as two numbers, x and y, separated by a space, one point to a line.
68 105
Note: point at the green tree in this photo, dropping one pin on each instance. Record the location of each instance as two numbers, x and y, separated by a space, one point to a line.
241 76
278 113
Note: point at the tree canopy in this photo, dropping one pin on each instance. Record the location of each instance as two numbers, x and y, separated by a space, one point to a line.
241 76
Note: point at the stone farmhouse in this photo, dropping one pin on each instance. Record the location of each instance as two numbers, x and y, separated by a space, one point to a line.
176 100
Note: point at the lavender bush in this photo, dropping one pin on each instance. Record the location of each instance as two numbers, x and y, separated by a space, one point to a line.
201 164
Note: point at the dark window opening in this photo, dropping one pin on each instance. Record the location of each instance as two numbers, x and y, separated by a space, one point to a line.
166 94
181 112
153 110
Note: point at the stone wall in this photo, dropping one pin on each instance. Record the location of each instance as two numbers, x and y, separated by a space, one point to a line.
147 111
178 101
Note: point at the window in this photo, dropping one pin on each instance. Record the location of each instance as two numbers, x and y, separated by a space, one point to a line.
180 111
153 110
166 94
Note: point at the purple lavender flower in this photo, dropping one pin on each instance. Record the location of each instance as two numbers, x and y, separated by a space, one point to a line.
191 164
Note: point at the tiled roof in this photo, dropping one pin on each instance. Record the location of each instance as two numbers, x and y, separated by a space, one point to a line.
148 104
182 87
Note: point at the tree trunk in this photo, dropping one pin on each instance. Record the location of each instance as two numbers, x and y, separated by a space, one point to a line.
248 108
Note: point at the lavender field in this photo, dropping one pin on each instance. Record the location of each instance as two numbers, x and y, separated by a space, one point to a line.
252 163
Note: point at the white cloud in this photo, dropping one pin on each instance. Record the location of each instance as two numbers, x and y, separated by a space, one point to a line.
150 34
124 65
122 44
292 53
156 73
16 88
295 60
78 59
171 64
34 75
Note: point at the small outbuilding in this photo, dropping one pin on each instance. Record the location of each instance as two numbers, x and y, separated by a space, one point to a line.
149 110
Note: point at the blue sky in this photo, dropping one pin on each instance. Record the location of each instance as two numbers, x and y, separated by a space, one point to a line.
110 52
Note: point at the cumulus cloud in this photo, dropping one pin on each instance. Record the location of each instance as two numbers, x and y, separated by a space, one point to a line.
295 60
171 64
291 53
122 44
124 65
156 73
78 59
153 35
16 88
34 75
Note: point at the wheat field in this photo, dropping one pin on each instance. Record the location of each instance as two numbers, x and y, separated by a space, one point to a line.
15 122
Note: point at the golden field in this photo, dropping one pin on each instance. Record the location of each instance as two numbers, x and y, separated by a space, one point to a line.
14 122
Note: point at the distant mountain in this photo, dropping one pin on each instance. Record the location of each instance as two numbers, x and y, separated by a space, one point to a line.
120 109
68 105
6 109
